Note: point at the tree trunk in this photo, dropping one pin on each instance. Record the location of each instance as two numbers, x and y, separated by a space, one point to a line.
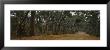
32 22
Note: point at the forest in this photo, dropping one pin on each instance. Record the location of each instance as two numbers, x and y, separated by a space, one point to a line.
55 24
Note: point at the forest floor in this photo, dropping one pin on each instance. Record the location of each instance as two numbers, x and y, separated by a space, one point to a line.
75 36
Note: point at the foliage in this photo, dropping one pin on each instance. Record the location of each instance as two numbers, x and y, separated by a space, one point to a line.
32 22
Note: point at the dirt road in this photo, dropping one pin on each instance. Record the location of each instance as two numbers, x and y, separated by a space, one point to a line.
75 36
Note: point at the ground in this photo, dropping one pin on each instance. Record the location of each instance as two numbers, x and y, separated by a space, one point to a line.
75 36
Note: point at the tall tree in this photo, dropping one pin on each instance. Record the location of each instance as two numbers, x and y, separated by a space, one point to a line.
32 19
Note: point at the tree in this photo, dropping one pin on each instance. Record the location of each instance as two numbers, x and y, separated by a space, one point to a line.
34 22
32 19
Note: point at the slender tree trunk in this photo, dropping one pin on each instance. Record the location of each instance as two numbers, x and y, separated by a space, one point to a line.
32 22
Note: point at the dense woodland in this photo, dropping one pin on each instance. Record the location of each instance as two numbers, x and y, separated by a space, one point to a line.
38 22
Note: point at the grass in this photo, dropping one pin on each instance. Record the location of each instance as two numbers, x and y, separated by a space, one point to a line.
75 36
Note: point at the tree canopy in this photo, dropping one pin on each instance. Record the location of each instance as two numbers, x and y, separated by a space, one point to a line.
32 22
